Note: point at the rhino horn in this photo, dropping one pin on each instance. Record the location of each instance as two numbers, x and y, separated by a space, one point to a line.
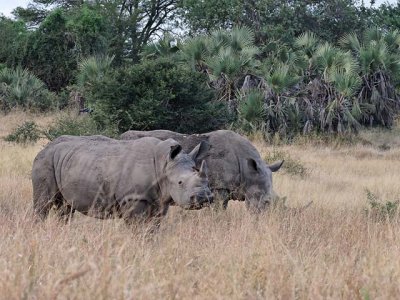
200 151
203 169
276 166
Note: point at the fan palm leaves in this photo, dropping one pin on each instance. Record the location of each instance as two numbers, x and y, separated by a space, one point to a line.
379 61
307 42
251 107
376 52
194 52
167 46
21 88
226 56
281 79
93 68
314 85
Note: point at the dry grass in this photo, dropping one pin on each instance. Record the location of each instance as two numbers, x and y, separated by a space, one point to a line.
330 251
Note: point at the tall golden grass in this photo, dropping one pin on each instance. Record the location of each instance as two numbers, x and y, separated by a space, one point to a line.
332 250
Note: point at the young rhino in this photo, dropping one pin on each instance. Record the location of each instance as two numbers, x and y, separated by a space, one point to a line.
104 178
236 169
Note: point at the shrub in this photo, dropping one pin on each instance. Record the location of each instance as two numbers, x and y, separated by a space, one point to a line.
156 94
290 166
28 132
379 210
251 109
20 88
76 125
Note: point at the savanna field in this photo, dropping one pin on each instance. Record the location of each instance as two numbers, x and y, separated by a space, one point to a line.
333 250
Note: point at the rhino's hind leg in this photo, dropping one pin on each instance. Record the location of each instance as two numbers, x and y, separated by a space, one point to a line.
45 191
43 201
64 211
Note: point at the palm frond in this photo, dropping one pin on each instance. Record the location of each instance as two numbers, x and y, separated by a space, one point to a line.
280 79
93 68
350 42
307 42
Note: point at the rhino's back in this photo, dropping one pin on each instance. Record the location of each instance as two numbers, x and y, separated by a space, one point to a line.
188 142
87 168
230 142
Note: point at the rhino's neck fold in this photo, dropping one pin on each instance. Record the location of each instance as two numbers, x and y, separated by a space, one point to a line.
161 178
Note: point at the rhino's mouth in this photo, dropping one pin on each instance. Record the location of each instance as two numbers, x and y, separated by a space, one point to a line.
199 201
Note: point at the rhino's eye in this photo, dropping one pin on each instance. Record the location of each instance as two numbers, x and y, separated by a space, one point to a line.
180 182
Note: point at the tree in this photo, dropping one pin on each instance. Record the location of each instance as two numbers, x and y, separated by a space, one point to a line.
136 23
90 31
226 56
130 24
379 59
274 19
21 88
51 52
14 36
155 94
387 16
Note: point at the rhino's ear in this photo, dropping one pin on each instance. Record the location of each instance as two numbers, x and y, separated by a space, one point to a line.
275 166
175 150
252 164
200 151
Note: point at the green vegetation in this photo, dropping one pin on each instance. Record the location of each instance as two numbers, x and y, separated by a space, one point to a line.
379 210
291 166
28 132
75 125
286 68
20 88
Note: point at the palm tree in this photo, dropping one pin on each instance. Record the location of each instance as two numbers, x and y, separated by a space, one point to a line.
251 108
166 46
232 55
379 59
226 56
333 82
93 68
21 88
194 52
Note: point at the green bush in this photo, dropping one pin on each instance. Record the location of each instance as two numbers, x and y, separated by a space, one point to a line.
28 132
290 166
379 210
21 88
76 125
251 109
156 94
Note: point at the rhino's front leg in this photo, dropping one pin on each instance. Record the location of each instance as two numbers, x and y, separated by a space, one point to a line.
221 197
145 214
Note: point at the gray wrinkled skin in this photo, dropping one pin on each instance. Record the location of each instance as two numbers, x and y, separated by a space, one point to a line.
236 170
103 177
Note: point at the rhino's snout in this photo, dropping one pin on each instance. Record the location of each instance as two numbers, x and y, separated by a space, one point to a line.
259 203
203 199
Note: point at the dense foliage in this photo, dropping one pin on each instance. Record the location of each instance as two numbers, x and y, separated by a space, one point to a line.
20 88
279 66
156 94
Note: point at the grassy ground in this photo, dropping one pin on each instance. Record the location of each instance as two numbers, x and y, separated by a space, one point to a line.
332 250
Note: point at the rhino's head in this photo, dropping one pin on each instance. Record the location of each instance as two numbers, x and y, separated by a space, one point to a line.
258 191
187 185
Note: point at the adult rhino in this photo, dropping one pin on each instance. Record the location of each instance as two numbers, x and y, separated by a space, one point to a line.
236 170
103 177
